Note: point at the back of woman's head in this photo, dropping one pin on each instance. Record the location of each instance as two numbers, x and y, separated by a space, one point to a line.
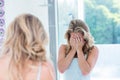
25 40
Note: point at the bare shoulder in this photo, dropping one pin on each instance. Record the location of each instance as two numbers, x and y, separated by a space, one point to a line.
47 64
47 70
62 51
63 46
94 51
4 63
4 60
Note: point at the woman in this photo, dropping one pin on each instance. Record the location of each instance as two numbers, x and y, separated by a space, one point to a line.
23 54
77 58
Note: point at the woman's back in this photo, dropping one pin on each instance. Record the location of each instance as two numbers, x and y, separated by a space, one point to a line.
39 71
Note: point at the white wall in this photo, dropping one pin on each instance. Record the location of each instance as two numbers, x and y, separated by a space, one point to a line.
108 64
15 7
81 9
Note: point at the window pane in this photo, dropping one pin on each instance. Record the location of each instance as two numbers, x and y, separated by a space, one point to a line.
103 18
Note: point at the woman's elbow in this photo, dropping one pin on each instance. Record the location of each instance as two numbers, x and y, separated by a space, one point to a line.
61 69
85 73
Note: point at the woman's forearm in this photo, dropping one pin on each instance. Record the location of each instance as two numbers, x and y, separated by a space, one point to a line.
64 63
83 64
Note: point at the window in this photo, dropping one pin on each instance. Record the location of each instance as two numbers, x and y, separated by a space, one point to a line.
103 18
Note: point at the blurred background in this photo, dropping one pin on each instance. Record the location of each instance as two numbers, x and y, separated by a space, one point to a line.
102 17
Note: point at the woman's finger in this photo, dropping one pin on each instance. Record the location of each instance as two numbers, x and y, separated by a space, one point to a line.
77 38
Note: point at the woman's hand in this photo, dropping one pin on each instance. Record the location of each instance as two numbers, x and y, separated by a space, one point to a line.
79 41
72 41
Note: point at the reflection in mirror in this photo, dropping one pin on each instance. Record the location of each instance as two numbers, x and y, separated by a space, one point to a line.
103 19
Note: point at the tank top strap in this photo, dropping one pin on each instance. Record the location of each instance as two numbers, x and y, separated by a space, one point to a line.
39 71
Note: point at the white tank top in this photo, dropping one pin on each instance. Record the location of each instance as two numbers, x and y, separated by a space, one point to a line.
74 72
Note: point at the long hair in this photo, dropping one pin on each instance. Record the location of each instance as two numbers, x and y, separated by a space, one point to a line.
25 41
79 26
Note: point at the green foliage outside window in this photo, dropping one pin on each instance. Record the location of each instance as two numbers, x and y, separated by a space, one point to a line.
103 18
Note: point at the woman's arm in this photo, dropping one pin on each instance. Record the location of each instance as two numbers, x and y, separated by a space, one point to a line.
87 65
64 61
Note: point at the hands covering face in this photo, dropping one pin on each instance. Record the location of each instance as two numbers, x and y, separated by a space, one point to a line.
77 40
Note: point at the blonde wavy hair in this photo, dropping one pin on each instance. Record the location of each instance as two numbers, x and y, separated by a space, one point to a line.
25 41
79 26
